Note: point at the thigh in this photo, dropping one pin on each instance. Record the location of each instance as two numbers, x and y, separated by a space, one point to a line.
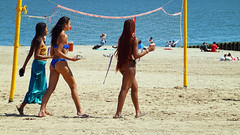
128 77
63 68
53 79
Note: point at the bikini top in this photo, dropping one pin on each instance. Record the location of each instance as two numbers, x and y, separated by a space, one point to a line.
66 46
43 50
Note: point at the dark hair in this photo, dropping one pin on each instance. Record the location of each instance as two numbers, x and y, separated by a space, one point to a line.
40 31
125 42
214 42
58 28
140 41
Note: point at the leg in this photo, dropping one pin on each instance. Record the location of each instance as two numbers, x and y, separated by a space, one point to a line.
20 108
53 79
128 77
68 77
134 95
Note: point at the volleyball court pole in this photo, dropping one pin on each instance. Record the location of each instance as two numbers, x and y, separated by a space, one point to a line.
19 9
185 42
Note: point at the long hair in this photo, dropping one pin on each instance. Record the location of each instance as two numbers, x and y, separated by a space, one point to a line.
40 31
125 44
58 28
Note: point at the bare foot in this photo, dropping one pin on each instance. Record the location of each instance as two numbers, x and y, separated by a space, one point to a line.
48 113
20 110
118 116
42 114
83 115
140 114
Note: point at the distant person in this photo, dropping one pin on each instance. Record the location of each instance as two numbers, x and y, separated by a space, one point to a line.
151 43
231 57
38 81
228 57
169 43
127 53
223 58
103 39
140 45
204 47
59 66
214 47
173 44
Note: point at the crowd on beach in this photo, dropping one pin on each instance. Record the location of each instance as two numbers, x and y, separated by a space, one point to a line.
214 47
204 47
39 92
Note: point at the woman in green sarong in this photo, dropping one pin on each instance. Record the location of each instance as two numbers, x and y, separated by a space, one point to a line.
38 81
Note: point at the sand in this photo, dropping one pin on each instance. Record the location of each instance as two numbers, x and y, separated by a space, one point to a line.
210 104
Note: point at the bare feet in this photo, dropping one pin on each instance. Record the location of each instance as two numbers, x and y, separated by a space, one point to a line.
20 110
48 113
140 114
44 114
117 116
83 115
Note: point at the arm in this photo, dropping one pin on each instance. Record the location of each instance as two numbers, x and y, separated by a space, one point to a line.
63 40
136 54
30 53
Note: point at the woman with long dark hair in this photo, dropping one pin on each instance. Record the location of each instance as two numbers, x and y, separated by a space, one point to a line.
38 81
59 66
127 53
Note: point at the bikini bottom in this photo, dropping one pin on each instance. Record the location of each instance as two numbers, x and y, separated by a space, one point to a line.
132 63
54 61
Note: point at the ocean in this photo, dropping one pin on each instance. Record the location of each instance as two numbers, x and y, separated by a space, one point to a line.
208 20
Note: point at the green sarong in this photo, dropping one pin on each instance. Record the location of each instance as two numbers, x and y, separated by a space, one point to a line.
38 83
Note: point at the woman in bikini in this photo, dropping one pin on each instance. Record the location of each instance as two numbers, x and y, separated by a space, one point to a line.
59 66
127 53
38 80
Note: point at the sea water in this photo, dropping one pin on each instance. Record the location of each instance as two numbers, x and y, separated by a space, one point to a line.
208 20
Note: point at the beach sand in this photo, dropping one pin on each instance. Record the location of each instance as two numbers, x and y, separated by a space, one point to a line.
209 105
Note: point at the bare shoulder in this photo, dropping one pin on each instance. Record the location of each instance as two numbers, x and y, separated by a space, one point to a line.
62 37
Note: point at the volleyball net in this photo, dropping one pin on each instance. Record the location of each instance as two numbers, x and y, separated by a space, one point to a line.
87 28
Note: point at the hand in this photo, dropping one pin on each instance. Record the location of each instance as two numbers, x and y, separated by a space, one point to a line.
21 71
75 58
50 57
151 48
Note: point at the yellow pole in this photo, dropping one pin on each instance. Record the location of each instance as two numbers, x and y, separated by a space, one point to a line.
185 42
19 9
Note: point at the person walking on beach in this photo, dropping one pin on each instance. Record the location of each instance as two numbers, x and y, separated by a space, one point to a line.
59 66
127 53
38 81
